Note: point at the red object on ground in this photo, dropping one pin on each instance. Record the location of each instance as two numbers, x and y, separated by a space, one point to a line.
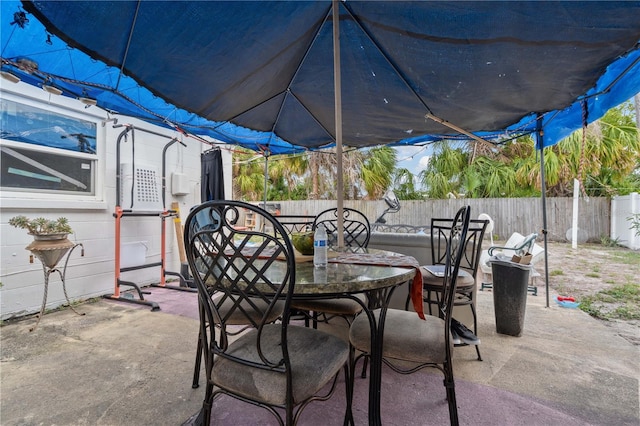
566 299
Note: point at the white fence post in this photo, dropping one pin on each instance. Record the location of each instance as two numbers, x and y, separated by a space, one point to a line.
574 227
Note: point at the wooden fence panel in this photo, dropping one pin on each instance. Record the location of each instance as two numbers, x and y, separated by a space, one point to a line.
510 215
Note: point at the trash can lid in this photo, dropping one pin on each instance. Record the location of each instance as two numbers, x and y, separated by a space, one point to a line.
506 261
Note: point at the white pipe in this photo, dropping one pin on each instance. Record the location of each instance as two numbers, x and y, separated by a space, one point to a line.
574 225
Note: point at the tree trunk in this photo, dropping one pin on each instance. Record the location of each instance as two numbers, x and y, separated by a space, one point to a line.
314 176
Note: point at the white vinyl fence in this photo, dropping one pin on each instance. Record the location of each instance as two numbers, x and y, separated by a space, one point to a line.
622 208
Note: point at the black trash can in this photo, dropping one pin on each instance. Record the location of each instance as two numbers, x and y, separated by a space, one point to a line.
510 281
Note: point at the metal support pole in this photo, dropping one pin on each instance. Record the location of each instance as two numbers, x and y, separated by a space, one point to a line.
543 187
338 116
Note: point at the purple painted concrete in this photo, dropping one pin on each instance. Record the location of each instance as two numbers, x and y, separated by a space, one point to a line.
174 302
416 399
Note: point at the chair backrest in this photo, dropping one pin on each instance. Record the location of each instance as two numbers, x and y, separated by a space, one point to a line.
296 223
490 225
248 271
440 234
455 250
519 244
357 229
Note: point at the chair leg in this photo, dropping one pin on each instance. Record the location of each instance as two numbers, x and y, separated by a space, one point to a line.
289 414
196 368
486 285
453 409
310 319
365 364
475 328
431 301
199 352
450 387
348 380
207 405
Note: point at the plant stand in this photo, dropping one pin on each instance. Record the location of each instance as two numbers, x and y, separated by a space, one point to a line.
50 251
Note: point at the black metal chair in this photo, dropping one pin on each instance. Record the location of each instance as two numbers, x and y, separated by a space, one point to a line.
422 343
296 223
242 276
466 282
234 317
357 232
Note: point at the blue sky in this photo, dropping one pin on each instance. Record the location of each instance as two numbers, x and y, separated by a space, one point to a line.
414 158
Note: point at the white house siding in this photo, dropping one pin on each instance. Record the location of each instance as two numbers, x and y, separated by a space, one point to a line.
92 220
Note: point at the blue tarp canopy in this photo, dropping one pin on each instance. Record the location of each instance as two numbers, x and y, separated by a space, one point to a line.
260 73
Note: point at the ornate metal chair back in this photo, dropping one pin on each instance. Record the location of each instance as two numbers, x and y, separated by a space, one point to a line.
440 237
456 240
246 270
357 229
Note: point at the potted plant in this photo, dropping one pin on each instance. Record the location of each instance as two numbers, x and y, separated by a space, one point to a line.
38 227
50 237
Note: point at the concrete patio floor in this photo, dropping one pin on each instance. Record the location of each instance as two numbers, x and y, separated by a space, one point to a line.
121 364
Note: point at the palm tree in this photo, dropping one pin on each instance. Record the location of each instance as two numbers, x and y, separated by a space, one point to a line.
248 175
286 175
609 164
352 165
489 178
322 169
363 171
604 158
404 185
444 171
377 171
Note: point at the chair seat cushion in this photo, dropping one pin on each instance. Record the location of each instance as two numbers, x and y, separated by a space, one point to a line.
316 357
406 336
336 306
465 279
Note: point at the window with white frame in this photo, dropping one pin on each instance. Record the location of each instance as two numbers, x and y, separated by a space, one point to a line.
46 149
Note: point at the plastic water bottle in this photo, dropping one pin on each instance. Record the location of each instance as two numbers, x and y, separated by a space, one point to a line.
320 247
320 275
